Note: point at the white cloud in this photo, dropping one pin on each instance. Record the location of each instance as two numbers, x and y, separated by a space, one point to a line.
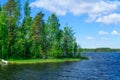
110 19
97 10
94 8
90 38
115 33
103 33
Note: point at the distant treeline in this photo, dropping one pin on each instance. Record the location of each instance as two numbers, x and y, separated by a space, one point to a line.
100 50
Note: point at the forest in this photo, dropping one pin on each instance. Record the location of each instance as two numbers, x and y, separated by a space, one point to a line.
33 37
84 50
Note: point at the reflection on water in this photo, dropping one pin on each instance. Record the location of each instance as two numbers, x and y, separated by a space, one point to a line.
101 66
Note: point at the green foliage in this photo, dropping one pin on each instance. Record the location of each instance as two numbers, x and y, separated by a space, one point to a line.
12 10
100 50
27 9
37 34
33 37
0 8
69 43
54 36
3 34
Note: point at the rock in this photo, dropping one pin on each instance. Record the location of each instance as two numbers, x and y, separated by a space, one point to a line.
4 61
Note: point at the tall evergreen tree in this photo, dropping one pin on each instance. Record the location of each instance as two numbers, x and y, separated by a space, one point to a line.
3 34
75 48
27 9
53 35
68 42
27 26
24 33
17 13
37 35
12 9
79 50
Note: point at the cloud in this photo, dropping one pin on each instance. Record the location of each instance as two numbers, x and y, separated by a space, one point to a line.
103 33
109 19
90 38
97 10
93 8
115 33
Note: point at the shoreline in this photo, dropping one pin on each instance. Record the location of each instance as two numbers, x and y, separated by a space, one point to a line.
37 61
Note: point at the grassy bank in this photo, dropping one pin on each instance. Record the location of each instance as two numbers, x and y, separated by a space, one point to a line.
34 61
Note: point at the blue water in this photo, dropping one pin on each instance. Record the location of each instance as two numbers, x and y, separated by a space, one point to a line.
100 66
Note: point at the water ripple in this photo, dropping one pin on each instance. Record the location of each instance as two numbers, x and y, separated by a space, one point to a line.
101 66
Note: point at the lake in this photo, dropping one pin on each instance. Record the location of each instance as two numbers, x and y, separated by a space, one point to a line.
100 66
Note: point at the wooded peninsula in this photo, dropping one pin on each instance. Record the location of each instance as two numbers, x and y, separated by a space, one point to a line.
25 37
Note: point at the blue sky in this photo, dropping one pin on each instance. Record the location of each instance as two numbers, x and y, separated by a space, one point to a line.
95 22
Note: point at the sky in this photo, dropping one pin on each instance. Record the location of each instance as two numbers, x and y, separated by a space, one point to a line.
96 23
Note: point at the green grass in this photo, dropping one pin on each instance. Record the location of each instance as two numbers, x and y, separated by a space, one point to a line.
35 61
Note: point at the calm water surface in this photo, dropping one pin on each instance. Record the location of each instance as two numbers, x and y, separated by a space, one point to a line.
100 66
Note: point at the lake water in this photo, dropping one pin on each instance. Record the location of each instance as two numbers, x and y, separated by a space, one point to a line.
100 66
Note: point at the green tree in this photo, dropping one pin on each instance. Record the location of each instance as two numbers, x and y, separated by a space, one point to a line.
3 34
68 43
24 33
10 8
79 50
37 35
27 22
54 34
13 14
75 48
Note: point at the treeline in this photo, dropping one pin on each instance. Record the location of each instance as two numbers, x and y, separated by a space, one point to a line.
100 50
33 37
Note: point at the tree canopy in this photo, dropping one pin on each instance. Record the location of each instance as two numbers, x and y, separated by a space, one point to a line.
33 37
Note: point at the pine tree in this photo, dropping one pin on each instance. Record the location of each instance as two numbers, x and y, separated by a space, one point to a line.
3 34
68 42
13 14
37 35
54 34
10 7
24 32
